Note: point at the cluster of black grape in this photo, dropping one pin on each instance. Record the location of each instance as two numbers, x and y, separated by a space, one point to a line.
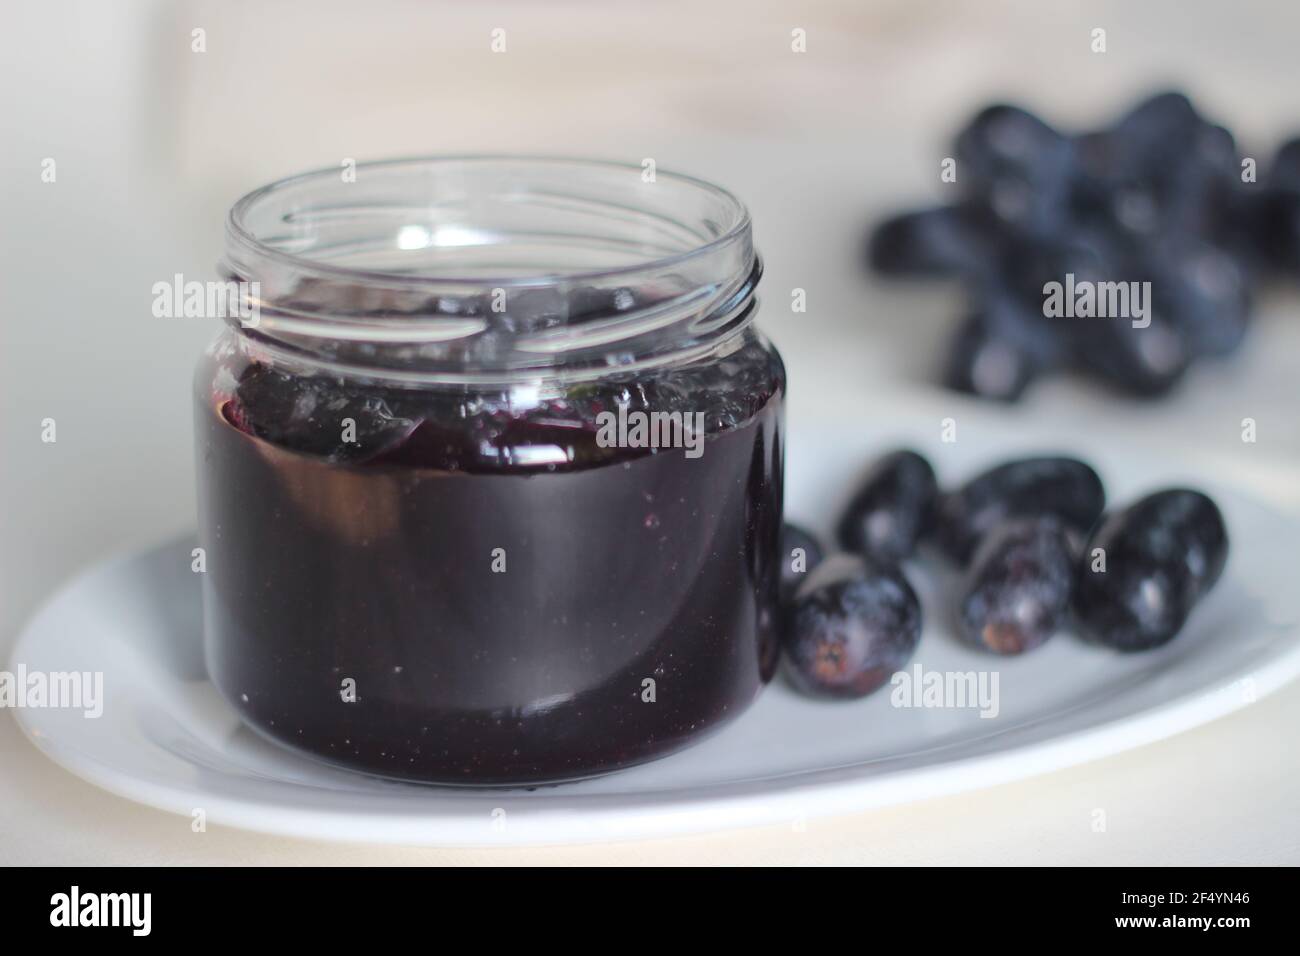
1036 549
1162 197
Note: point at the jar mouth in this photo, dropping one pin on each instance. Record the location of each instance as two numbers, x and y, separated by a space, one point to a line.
397 210
479 265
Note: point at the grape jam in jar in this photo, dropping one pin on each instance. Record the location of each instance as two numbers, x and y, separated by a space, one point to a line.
491 489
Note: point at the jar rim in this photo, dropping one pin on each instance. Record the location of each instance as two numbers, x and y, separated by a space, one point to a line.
240 235
325 265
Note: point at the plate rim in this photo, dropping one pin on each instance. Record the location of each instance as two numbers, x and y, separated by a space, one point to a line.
840 790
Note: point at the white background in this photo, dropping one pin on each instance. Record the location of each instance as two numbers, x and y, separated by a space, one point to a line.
153 142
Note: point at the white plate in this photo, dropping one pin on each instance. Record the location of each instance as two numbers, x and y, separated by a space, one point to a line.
166 739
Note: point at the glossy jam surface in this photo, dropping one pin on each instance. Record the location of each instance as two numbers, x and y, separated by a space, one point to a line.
468 587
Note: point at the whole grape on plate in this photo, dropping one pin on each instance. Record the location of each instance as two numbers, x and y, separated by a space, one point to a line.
850 627
891 508
1061 487
1147 566
1017 589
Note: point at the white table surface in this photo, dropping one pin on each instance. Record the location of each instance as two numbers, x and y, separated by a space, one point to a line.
152 142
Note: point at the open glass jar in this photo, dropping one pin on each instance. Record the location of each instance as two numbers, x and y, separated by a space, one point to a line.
491 490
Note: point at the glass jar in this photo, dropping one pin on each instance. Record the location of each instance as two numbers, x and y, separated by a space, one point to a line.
454 532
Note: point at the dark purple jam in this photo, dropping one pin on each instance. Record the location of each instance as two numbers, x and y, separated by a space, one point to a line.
504 595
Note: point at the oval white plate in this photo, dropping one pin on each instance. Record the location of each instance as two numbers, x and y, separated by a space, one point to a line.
166 739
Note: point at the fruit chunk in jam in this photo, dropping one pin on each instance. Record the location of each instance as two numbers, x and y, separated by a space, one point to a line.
466 587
